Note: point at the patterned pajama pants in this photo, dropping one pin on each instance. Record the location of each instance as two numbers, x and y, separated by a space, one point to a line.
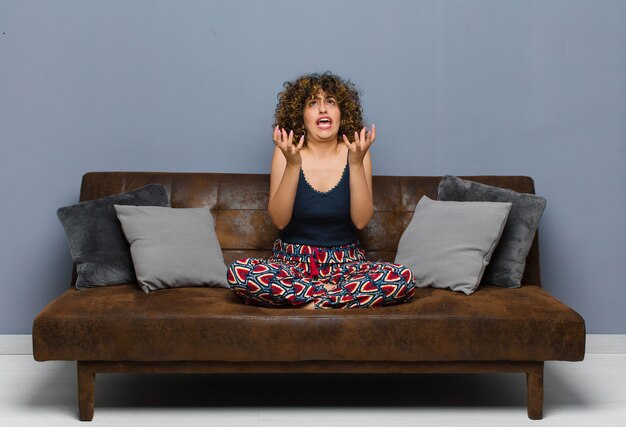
330 277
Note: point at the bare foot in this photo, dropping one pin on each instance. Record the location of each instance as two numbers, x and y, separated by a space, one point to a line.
309 306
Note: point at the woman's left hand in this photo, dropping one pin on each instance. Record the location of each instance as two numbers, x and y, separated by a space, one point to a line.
362 142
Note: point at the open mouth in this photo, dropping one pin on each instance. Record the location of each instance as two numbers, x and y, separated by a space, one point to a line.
324 123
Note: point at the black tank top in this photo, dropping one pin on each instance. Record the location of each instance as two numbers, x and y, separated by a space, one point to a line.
321 218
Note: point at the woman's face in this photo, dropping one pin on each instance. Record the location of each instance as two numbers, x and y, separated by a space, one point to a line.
322 117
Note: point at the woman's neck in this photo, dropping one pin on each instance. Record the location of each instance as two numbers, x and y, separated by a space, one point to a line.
322 150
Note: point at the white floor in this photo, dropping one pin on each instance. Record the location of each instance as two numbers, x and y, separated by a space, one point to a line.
588 393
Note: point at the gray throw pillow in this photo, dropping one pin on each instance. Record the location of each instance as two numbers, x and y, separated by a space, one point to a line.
449 244
173 248
97 243
508 262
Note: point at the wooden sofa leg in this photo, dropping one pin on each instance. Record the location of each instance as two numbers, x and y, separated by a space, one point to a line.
86 391
534 392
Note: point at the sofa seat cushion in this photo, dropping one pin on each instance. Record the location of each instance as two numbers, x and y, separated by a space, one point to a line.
121 323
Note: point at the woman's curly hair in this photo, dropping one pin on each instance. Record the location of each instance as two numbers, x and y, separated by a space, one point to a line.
294 96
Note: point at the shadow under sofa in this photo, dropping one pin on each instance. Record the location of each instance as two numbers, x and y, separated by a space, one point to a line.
117 329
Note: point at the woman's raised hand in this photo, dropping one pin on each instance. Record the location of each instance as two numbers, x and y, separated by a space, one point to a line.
284 141
362 142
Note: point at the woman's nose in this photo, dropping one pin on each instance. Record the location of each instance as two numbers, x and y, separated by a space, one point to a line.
322 107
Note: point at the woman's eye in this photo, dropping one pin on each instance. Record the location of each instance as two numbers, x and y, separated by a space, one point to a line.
331 101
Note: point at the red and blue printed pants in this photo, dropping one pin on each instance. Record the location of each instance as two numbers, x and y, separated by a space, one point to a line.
330 277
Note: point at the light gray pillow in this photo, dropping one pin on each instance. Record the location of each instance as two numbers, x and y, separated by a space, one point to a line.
508 262
97 243
173 248
448 244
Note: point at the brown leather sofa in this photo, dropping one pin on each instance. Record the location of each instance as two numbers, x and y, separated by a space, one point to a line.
209 330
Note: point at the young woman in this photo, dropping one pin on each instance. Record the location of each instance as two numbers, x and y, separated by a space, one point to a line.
320 195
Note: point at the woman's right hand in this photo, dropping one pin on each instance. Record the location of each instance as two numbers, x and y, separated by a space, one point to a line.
284 141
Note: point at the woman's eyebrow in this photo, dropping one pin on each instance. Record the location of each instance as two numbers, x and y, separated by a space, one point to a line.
320 98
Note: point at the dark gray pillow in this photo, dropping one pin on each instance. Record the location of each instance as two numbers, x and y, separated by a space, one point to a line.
97 243
507 264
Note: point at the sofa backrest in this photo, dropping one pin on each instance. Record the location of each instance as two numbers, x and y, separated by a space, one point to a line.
239 206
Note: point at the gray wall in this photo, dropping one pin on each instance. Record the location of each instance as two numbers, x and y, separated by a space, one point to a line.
454 87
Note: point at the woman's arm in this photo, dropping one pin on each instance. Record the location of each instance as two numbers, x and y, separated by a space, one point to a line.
361 205
284 176
360 163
